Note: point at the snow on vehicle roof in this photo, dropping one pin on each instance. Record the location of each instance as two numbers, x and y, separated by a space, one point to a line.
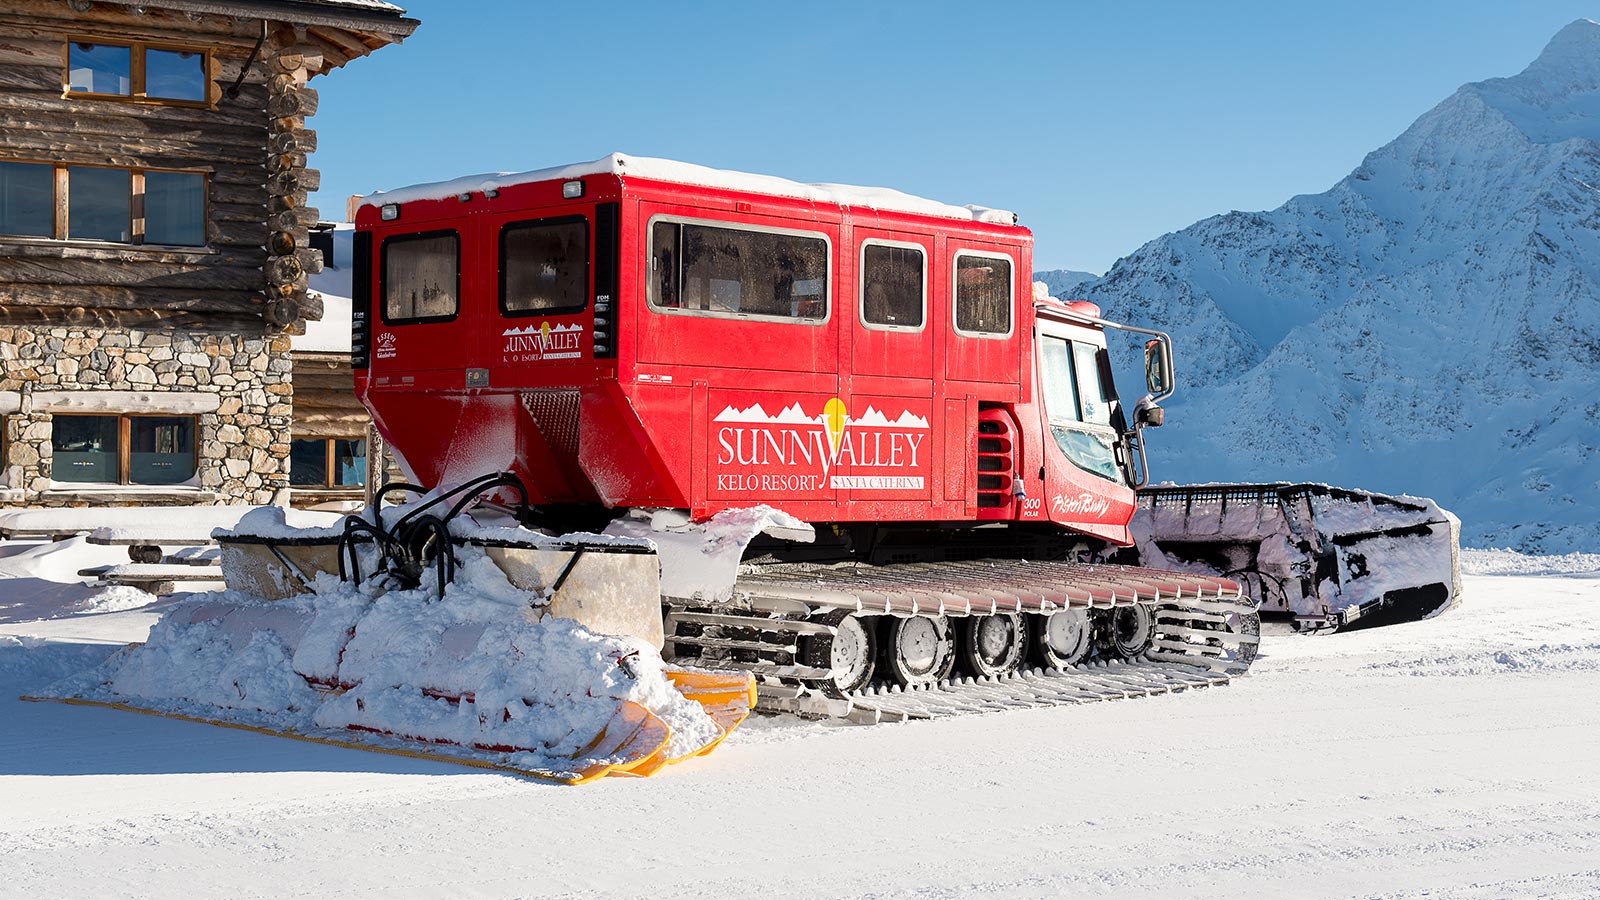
689 173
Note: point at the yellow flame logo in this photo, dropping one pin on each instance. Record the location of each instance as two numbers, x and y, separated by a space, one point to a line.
544 334
834 416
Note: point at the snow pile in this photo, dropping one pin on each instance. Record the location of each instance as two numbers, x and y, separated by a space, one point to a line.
28 663
472 669
141 523
286 522
1431 324
700 561
40 580
1510 562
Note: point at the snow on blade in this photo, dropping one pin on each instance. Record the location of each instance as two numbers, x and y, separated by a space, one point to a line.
472 674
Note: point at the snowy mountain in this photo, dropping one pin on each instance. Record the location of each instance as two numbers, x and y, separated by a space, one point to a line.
1429 325
1064 282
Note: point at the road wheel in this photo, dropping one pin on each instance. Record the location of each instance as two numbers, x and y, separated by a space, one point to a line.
992 646
1132 629
920 649
850 653
1062 639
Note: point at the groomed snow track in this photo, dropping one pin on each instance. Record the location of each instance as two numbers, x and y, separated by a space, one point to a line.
1205 632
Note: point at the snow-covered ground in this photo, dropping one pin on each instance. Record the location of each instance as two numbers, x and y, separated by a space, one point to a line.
1451 758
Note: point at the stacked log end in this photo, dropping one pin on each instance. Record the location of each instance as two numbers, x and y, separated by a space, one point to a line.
290 259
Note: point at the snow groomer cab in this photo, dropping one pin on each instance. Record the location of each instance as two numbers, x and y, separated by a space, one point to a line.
642 333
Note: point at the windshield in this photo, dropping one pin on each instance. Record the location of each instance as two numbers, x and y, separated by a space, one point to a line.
1078 407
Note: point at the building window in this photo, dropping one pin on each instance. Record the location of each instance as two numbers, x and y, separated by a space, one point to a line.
125 206
738 271
174 208
544 266
27 199
327 462
421 276
983 294
99 204
136 71
122 449
892 294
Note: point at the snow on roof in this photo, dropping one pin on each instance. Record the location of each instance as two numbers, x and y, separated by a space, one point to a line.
376 5
688 173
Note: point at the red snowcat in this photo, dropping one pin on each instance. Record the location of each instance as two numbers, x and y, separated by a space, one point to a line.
678 441
637 334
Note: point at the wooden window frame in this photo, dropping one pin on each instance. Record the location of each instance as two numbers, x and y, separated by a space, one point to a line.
136 72
328 458
125 443
136 198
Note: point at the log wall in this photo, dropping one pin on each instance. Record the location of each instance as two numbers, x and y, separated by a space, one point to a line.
125 329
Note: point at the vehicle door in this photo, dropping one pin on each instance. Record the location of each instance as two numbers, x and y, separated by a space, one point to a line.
747 305
1086 481
887 451
425 305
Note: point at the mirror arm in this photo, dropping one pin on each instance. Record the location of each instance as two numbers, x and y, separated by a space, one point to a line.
1138 446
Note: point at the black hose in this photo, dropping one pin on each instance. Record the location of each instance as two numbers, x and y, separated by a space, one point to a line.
419 538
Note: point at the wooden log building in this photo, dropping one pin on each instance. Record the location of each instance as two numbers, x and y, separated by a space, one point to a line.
155 247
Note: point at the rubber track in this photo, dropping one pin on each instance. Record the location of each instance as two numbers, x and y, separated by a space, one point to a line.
1206 631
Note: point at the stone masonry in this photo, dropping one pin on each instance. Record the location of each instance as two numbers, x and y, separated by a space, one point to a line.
242 385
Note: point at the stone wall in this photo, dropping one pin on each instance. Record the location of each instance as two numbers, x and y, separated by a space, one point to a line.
239 388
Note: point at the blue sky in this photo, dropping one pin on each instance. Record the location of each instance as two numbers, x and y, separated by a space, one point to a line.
1102 125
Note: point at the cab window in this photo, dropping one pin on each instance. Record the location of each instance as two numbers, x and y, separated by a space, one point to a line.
544 266
1077 406
983 294
892 291
1093 403
738 272
421 277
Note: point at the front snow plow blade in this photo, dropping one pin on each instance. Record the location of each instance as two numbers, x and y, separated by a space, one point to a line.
1329 558
537 656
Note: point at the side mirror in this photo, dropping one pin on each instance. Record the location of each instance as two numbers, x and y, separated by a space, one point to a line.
1150 415
1157 377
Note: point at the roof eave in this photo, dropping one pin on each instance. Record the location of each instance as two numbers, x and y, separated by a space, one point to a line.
391 26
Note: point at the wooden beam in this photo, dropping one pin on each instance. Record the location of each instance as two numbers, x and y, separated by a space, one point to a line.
69 296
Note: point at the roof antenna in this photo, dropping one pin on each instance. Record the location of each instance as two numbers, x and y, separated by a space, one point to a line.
233 89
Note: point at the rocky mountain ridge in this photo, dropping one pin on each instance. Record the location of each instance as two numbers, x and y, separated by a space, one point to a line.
1429 325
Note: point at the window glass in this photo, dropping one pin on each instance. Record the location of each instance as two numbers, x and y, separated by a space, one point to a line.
544 266
174 208
891 286
740 272
175 75
664 264
98 203
84 448
420 277
160 449
99 69
27 199
1060 385
349 463
308 463
1069 375
983 294
1092 395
